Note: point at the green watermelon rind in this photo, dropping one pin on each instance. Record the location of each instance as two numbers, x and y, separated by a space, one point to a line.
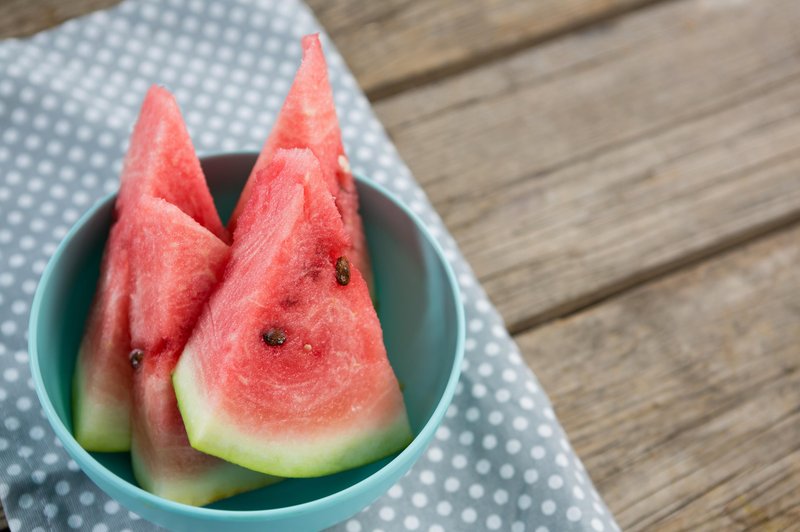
291 459
208 486
96 423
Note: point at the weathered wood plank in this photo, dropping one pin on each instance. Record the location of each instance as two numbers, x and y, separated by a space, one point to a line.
396 44
582 166
19 18
683 396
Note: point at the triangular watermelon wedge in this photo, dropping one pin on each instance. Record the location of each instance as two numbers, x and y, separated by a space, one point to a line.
308 120
161 163
175 264
101 388
286 371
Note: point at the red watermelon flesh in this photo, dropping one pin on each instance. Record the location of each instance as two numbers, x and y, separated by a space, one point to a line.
286 372
308 120
161 163
101 405
176 262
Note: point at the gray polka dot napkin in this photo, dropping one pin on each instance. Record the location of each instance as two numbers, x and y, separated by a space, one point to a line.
68 98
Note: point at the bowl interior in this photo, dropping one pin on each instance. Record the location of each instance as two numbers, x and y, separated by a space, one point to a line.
417 306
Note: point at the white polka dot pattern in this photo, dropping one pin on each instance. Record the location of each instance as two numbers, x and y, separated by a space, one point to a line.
68 98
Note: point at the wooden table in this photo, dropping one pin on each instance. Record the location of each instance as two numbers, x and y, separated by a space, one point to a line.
624 176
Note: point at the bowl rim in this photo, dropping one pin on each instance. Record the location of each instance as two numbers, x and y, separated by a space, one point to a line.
365 485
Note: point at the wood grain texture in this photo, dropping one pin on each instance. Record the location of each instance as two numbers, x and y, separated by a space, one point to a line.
396 44
580 167
573 168
20 18
683 397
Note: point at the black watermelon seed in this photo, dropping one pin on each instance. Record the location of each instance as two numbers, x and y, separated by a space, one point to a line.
135 357
342 271
274 337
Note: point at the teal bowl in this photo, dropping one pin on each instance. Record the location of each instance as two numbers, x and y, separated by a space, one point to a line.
423 325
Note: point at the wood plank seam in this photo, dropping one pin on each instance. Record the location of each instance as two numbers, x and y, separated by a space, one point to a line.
720 105
602 294
661 271
622 98
730 386
514 85
436 75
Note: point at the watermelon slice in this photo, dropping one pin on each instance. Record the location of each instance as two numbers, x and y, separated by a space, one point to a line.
101 389
161 163
187 261
286 372
308 120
